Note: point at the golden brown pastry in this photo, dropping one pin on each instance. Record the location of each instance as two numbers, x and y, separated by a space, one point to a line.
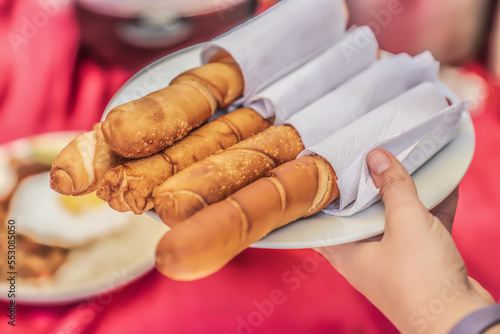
218 176
129 187
81 165
148 125
208 240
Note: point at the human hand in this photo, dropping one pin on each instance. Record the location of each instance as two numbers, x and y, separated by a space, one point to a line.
414 273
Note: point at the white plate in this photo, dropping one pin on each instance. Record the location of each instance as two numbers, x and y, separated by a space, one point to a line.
435 180
86 272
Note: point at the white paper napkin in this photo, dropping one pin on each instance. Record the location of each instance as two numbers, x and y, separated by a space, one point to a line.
378 84
413 126
281 39
340 62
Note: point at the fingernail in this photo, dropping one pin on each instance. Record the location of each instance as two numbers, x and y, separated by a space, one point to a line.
378 162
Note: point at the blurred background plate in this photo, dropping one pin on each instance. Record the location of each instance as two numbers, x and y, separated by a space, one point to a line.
129 32
435 180
56 273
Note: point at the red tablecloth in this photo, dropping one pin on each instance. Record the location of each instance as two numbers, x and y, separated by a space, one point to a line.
47 84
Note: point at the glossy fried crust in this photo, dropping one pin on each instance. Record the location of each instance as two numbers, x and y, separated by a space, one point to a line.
220 175
81 165
129 187
206 241
148 125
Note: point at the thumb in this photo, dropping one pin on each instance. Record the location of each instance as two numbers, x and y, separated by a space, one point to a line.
397 190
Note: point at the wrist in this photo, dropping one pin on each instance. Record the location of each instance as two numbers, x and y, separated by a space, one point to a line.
441 315
480 321
458 313
493 330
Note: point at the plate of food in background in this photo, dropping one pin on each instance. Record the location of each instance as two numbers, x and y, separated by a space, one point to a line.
66 248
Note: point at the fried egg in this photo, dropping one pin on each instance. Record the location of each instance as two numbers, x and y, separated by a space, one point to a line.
54 219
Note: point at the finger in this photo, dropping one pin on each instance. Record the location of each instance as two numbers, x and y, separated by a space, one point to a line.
342 257
351 259
482 292
445 211
337 255
397 190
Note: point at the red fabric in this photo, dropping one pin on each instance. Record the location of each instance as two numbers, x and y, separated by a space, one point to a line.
45 84
234 300
476 229
49 84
